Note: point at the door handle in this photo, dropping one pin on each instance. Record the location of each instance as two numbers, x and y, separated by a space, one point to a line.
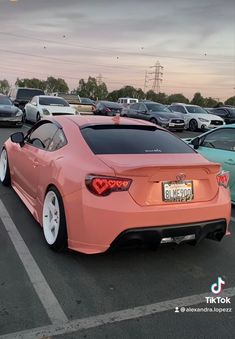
230 162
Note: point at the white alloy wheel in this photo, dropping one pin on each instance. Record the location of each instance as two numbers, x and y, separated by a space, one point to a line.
3 165
51 217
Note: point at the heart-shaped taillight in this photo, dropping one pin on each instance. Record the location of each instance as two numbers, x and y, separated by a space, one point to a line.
102 186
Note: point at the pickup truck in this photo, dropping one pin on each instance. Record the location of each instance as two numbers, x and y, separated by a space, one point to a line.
84 106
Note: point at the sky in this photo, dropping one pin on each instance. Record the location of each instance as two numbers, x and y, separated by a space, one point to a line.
194 41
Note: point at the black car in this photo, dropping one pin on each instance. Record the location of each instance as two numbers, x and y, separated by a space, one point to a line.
156 113
9 114
107 108
20 96
227 113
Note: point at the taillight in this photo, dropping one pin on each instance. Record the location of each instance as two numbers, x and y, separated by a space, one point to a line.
102 186
223 179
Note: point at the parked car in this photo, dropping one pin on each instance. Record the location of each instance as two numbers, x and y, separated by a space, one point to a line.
87 101
42 105
227 113
82 105
196 117
156 113
9 114
219 146
94 183
107 108
20 96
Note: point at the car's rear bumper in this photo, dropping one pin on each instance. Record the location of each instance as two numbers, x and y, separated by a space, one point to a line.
94 225
154 236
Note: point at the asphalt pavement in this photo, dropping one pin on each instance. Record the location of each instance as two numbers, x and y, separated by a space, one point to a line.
133 293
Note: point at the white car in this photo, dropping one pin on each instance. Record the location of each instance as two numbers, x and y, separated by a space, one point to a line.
43 105
196 117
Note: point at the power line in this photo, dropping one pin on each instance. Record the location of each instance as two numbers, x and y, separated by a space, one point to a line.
77 45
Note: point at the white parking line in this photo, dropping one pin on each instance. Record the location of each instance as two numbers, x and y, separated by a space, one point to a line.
43 290
115 317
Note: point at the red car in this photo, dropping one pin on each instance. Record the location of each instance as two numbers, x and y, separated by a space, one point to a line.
98 182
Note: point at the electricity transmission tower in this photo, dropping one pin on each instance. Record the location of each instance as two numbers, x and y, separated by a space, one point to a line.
158 73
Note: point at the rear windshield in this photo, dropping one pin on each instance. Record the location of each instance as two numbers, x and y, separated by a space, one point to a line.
124 139
52 101
111 104
28 93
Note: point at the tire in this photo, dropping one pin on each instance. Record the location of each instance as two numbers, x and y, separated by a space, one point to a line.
193 125
154 121
38 118
5 176
54 220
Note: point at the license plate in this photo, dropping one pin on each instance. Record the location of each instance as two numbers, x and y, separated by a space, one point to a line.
178 191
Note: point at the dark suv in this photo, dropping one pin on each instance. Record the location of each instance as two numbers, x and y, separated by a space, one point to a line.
20 96
227 113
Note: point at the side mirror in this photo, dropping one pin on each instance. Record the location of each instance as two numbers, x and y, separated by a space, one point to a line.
34 103
196 142
18 138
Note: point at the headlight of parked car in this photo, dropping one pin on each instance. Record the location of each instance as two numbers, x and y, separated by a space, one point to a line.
19 113
45 111
203 120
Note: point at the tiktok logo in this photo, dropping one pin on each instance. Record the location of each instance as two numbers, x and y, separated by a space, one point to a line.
216 288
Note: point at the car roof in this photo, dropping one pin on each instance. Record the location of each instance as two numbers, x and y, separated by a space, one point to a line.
100 120
225 107
181 103
48 96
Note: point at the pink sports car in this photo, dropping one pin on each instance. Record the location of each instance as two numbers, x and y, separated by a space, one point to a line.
94 183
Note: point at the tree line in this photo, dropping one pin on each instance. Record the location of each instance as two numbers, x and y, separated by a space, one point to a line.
95 90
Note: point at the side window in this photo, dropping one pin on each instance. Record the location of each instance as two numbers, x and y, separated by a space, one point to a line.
58 141
181 109
223 139
42 136
135 106
142 108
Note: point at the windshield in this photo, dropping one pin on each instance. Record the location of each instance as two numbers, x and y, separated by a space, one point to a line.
28 93
157 108
52 101
196 109
5 101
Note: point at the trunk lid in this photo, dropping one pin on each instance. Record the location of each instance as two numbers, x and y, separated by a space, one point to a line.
151 173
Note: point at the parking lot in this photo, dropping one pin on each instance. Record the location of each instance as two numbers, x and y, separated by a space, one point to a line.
130 293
